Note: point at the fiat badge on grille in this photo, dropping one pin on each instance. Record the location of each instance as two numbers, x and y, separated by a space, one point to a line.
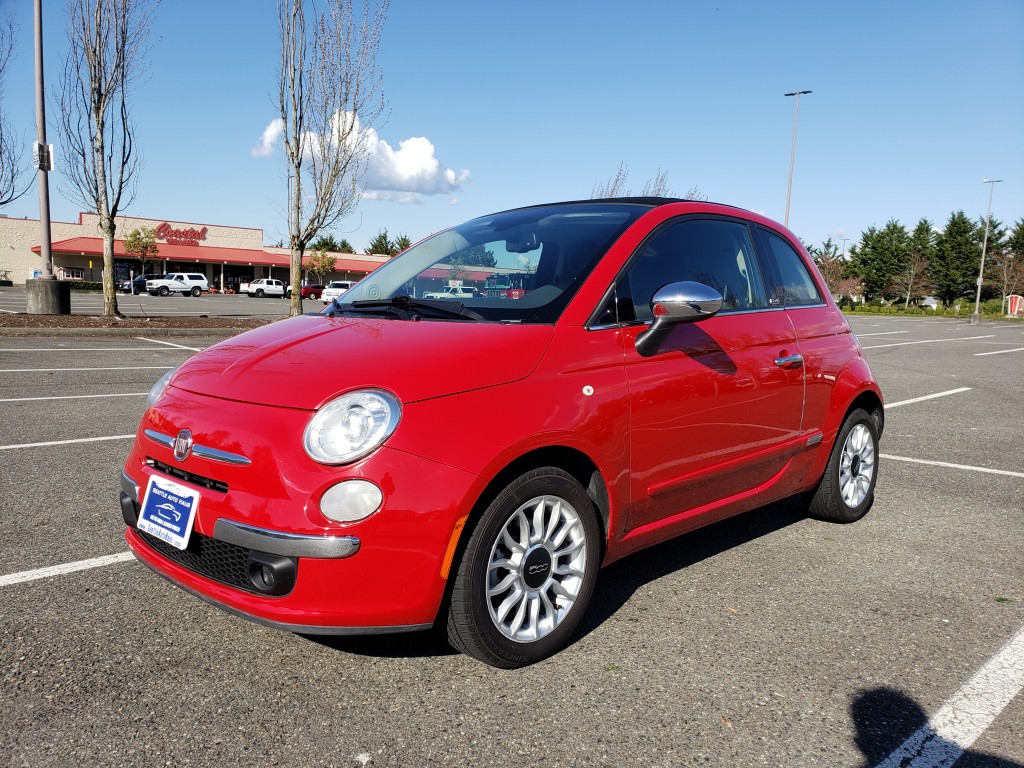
183 445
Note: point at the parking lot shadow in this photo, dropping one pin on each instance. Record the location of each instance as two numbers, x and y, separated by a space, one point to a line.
617 583
886 718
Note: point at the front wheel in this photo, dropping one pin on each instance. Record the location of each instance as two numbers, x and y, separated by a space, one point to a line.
847 489
528 571
165 291
313 296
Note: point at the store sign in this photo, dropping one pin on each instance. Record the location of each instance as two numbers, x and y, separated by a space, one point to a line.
173 236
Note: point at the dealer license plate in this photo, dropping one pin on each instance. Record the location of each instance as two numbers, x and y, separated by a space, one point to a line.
168 511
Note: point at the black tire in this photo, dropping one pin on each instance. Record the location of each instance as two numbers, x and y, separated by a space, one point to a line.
164 291
473 624
313 296
196 290
259 293
852 467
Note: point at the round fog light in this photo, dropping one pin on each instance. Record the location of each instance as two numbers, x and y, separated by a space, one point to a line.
351 500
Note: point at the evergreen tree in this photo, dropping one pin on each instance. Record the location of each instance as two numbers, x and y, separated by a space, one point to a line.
325 243
382 244
402 243
880 257
957 258
345 246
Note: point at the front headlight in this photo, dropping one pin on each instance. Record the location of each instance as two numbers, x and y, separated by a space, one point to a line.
158 388
351 426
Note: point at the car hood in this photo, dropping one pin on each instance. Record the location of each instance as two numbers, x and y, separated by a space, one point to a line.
305 361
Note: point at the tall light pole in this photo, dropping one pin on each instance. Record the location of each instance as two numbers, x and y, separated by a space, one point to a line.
976 317
792 152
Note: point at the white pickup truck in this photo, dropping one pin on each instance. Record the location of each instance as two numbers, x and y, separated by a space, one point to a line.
263 287
185 283
452 292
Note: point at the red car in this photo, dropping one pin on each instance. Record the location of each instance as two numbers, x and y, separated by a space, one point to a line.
308 291
666 364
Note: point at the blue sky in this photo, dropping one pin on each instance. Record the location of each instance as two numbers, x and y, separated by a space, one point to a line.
913 104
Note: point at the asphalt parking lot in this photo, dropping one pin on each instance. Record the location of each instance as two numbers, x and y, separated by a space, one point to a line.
144 305
769 639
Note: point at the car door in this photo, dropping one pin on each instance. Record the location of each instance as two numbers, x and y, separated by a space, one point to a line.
715 413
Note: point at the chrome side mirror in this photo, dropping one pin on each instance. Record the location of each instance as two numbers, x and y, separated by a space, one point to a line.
675 303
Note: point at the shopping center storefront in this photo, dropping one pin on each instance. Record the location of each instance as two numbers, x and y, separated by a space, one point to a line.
226 255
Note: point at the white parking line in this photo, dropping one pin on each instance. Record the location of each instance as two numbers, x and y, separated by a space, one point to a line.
71 397
930 341
926 397
91 349
59 570
953 466
967 714
880 333
61 370
169 344
66 442
1000 352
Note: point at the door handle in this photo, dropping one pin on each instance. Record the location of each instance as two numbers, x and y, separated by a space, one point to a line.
790 361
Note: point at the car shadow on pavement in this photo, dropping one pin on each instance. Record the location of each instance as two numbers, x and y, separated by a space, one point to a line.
885 719
617 583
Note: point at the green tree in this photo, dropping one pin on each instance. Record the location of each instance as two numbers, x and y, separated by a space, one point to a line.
382 244
320 263
345 246
880 256
476 256
402 243
957 257
141 244
325 243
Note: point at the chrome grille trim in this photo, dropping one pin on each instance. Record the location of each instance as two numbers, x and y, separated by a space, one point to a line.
201 451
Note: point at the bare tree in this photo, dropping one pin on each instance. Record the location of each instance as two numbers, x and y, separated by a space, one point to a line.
15 180
107 44
329 95
913 276
655 187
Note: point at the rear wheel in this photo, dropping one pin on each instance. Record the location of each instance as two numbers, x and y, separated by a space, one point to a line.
259 293
847 489
528 571
196 290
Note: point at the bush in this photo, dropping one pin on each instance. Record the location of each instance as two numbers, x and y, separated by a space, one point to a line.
85 285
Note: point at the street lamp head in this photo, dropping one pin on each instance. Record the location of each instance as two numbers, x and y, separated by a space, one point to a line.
990 181
797 93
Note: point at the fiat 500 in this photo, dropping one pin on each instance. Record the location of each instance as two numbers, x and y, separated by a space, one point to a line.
661 365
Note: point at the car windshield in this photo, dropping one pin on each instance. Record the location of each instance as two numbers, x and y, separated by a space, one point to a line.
518 266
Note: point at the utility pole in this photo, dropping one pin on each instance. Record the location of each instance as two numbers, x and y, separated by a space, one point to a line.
792 152
45 295
976 317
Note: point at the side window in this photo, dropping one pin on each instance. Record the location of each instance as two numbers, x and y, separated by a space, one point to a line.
794 286
715 252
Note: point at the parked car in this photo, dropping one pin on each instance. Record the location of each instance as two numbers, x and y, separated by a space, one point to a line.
335 289
185 283
673 363
138 285
453 292
307 291
263 287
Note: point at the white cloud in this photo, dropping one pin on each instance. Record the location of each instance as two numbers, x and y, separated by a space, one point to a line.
401 175
411 169
270 136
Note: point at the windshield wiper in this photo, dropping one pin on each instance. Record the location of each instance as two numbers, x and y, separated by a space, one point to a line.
408 308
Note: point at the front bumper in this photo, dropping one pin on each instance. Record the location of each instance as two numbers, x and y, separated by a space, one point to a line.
384 574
